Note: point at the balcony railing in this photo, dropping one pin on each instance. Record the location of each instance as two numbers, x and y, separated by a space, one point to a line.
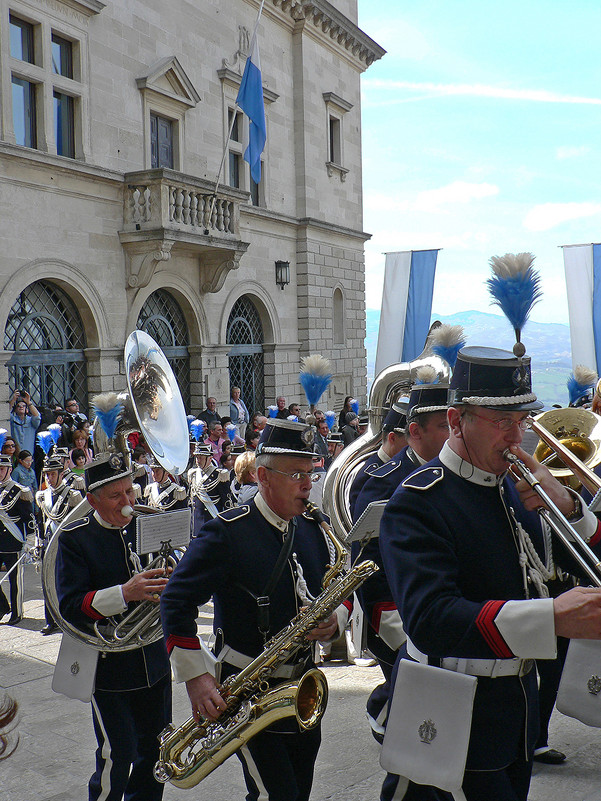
170 200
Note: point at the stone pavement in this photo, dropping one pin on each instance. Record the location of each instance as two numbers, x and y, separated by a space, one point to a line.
55 754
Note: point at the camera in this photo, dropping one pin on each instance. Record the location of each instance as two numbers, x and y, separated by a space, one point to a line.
22 393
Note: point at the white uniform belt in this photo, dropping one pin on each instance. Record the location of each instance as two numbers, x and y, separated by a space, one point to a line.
492 668
239 660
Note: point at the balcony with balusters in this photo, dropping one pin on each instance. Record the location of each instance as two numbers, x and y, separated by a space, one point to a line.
166 211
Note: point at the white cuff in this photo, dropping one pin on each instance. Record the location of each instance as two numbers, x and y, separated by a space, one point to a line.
391 629
528 628
188 664
587 525
109 601
342 614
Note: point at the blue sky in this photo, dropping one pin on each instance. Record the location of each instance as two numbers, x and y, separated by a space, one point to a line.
481 131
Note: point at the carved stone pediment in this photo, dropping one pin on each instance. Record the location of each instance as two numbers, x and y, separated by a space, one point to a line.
167 77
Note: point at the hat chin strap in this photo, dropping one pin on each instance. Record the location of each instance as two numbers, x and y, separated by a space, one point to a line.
489 400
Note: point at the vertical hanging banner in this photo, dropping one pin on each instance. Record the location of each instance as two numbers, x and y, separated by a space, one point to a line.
250 100
406 306
582 265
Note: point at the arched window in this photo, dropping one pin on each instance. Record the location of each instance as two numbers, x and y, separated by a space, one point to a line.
245 334
162 318
338 317
46 333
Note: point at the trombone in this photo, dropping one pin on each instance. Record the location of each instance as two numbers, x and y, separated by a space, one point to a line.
558 523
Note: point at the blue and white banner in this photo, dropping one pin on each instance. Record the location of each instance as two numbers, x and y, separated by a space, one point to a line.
250 100
582 264
406 306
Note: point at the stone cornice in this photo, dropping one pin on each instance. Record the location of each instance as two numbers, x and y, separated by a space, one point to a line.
87 7
332 22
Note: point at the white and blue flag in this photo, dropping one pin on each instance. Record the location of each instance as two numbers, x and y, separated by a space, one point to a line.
406 306
582 264
250 100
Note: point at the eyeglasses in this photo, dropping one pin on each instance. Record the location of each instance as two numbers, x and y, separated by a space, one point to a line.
506 423
298 476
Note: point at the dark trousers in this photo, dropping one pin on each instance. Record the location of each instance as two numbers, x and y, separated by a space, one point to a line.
279 766
127 725
15 583
510 784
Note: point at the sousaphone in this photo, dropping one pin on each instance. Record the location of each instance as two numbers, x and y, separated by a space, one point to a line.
153 406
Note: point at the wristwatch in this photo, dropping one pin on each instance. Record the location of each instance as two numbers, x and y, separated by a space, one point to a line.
576 512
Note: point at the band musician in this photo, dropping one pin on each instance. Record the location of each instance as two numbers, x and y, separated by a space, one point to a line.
99 575
467 559
55 502
267 549
16 522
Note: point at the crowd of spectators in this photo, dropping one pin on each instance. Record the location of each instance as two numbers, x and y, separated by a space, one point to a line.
230 436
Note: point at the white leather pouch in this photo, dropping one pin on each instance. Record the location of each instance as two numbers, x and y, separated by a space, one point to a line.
75 671
579 694
428 729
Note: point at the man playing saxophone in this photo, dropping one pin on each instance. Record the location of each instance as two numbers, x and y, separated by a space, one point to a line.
261 564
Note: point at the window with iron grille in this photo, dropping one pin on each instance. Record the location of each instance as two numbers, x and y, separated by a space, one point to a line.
162 319
47 337
245 334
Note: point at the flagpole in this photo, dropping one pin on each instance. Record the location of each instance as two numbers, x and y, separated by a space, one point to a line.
229 133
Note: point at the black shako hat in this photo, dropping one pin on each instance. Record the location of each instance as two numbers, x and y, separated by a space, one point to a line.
427 398
493 378
105 468
396 418
286 438
54 461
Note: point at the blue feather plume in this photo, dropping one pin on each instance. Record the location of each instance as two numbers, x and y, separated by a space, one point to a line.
3 436
293 418
447 341
55 431
45 441
515 287
330 419
315 377
272 410
190 419
231 431
107 415
580 383
354 404
197 429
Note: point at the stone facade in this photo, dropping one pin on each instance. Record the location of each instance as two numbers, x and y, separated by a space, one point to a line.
110 228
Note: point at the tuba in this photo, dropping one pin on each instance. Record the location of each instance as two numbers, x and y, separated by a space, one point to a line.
390 384
152 405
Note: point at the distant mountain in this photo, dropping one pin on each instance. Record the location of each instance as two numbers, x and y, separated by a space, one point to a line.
547 343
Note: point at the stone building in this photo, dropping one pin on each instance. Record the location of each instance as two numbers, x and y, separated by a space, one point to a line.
113 121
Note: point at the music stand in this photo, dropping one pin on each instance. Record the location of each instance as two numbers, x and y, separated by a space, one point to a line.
368 525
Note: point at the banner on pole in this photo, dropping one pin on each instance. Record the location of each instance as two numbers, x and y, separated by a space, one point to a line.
406 306
582 265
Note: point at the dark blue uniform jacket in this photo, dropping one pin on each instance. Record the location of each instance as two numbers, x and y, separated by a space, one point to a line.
451 560
91 557
239 548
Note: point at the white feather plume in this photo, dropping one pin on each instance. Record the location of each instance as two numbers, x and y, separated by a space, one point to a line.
426 375
584 375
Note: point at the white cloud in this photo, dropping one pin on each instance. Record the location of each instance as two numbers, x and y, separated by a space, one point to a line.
455 192
430 200
548 215
567 152
479 90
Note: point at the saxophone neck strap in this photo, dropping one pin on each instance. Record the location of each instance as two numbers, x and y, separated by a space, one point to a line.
263 600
